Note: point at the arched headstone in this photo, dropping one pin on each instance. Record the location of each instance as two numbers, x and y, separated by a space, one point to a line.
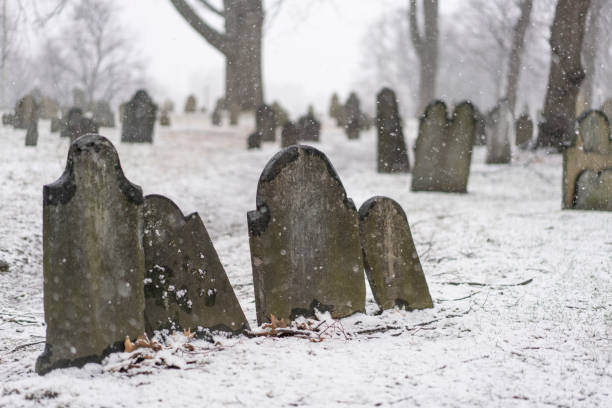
289 135
139 119
392 156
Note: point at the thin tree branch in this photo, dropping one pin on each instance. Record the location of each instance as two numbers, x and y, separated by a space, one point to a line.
414 29
218 40
212 8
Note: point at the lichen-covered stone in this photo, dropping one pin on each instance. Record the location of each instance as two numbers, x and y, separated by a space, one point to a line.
304 239
391 261
139 119
587 165
93 259
185 284
392 156
499 133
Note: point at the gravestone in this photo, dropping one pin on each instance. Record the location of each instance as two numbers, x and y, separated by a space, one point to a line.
392 156
309 128
499 133
8 119
216 117
103 114
185 284
265 123
304 239
49 108
70 121
352 116
337 111
234 114
390 258
191 104
56 125
280 114
480 133
164 118
254 141
523 130
93 258
443 149
25 108
587 165
140 113
289 135
31 138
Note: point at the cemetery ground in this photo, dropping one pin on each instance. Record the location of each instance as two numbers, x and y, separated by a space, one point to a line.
522 290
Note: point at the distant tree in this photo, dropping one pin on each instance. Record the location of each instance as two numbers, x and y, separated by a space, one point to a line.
516 53
566 73
596 50
426 47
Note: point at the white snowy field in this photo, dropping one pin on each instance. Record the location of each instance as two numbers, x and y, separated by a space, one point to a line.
488 342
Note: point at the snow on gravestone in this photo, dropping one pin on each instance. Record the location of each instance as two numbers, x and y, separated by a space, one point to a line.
587 165
139 119
443 149
93 259
499 133
185 284
304 239
265 123
289 135
392 154
391 261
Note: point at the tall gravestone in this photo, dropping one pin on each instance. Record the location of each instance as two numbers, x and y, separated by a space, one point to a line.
304 239
265 122
352 116
191 104
31 138
25 109
587 165
523 130
309 128
443 149
499 133
392 156
139 119
289 135
93 258
103 114
185 284
391 261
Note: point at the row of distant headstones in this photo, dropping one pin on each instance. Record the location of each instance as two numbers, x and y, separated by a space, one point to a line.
118 264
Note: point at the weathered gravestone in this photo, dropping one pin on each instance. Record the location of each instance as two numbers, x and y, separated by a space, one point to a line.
103 114
93 258
304 239
265 122
76 125
309 128
234 114
523 130
587 165
31 138
70 121
289 135
139 119
191 104
8 119
352 116
185 284
392 156
25 109
500 126
443 149
390 258
254 141
164 118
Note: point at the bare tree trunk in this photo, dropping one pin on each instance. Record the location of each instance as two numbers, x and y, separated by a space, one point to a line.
589 51
426 47
241 44
514 69
3 55
566 73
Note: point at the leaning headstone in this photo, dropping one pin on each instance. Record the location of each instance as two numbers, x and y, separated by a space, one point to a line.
185 284
499 133
392 156
443 149
24 111
191 104
254 141
352 116
103 114
309 128
93 258
304 240
140 113
390 258
523 130
289 135
265 120
31 138
587 165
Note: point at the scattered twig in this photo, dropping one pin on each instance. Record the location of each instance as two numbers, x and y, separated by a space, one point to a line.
22 346
492 285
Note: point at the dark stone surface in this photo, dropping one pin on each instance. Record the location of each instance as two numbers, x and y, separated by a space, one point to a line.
70 121
392 156
4 266
304 239
139 119
93 258
524 130
8 119
352 116
164 118
265 122
289 135
26 110
254 141
31 138
391 261
191 105
185 284
309 128
500 126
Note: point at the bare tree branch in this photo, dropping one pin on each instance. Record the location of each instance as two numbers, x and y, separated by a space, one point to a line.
218 40
414 28
212 8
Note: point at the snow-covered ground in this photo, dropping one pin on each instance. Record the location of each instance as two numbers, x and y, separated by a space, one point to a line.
488 342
